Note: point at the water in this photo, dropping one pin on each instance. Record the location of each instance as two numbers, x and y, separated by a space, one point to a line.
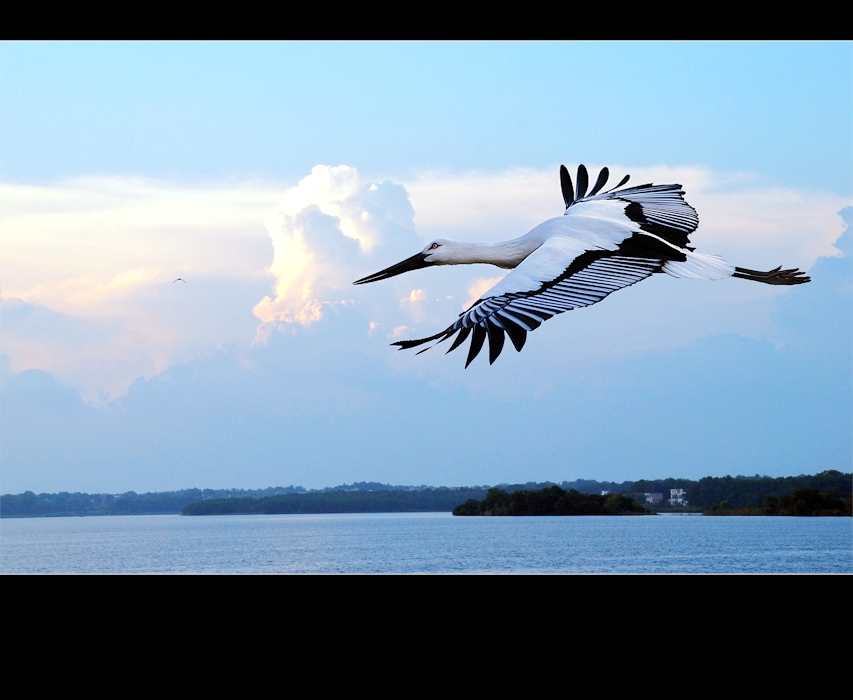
425 543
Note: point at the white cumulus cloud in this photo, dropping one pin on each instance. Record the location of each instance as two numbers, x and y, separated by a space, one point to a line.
326 233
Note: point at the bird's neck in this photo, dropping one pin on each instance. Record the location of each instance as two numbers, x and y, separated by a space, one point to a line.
507 254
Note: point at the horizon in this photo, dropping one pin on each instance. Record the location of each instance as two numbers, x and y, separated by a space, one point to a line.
409 487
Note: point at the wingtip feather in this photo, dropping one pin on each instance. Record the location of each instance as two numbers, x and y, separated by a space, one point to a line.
583 181
477 340
566 186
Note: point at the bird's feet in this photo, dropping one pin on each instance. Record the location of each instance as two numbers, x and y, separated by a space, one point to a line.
776 276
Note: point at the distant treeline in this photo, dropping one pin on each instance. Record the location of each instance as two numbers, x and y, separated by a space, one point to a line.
745 491
801 502
29 504
704 494
550 501
553 500
422 501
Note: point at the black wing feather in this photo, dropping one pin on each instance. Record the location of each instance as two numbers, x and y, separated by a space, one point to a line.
496 340
601 181
476 343
621 182
406 344
463 334
566 186
516 333
583 181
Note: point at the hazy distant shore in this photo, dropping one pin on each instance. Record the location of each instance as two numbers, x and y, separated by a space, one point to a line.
714 495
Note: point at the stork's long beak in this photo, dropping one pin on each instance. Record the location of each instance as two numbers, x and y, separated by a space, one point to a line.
415 262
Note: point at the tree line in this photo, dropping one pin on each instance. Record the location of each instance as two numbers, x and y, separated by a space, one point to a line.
551 500
29 504
703 494
421 501
802 501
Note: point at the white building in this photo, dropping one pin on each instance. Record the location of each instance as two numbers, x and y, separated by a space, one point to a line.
677 497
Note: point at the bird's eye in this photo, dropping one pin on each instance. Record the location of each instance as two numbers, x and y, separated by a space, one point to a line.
434 246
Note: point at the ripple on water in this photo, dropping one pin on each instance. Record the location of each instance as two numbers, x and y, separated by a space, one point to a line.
424 543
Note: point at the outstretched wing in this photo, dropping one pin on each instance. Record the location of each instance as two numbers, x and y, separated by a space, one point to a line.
659 210
605 242
511 307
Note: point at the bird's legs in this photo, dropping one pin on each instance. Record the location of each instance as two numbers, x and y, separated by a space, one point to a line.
777 276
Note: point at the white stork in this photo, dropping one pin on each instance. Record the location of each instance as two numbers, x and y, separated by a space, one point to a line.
603 242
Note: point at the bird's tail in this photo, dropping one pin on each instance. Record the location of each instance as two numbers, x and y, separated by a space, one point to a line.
699 266
712 267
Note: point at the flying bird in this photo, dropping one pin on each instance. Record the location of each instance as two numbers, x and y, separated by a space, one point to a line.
180 279
604 241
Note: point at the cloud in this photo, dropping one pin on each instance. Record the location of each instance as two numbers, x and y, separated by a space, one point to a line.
845 240
479 287
416 295
101 355
80 246
87 271
326 230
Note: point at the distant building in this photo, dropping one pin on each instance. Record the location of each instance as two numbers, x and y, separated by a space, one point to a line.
605 493
654 498
678 497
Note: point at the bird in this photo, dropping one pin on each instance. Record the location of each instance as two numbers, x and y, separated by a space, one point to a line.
180 279
603 242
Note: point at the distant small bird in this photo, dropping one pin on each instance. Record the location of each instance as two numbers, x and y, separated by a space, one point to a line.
603 242
180 279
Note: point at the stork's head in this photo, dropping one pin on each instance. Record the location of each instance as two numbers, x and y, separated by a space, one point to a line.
438 252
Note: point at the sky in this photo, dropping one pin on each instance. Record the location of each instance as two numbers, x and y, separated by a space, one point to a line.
270 175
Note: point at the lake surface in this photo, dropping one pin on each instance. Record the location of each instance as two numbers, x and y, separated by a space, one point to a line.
392 543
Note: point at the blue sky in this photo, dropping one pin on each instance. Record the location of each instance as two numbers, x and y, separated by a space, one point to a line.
270 175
